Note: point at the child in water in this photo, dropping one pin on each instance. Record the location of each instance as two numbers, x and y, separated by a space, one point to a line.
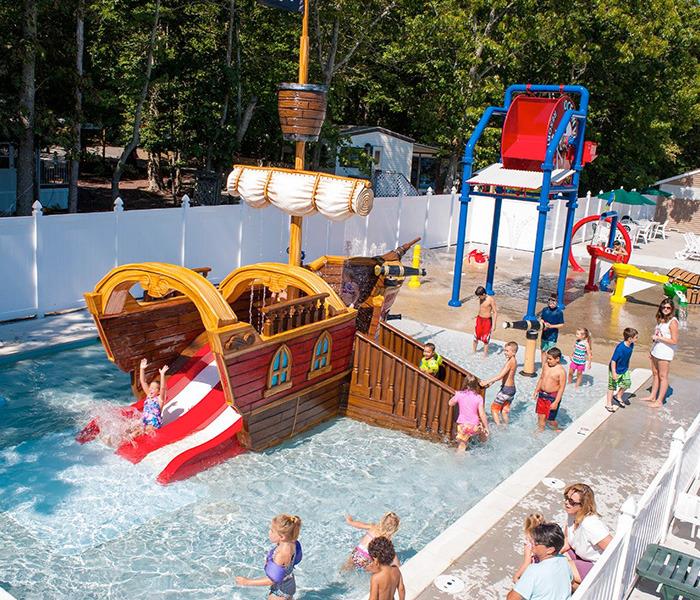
281 559
156 397
386 577
581 357
431 361
500 407
531 521
472 417
388 525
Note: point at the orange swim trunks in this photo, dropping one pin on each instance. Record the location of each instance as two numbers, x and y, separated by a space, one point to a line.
482 329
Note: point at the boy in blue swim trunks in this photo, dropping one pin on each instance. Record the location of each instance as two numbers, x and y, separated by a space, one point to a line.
500 407
552 319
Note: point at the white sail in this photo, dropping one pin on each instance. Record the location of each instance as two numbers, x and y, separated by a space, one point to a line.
301 193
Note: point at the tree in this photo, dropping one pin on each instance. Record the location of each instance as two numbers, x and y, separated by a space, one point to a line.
132 144
26 166
78 96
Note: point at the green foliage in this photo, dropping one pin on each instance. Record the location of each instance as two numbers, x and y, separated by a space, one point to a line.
425 68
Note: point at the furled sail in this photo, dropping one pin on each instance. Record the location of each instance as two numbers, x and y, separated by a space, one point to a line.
302 193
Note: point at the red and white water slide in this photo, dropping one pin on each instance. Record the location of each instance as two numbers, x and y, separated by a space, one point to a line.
199 428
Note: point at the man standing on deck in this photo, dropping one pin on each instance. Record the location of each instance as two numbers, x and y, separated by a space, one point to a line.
552 319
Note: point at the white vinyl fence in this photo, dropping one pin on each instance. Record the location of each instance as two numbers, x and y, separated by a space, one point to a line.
644 522
48 262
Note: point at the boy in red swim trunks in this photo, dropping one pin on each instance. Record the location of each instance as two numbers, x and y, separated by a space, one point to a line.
485 320
549 390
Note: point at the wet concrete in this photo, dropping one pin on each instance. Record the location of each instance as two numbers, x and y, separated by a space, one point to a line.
604 319
619 458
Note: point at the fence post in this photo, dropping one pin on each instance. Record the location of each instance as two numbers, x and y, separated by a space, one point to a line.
37 213
183 231
453 194
676 453
628 512
586 213
428 194
398 219
118 209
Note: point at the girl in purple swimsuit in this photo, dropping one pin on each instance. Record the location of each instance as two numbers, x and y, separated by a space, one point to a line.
281 559
156 397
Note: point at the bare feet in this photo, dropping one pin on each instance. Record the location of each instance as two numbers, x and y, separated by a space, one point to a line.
655 405
647 399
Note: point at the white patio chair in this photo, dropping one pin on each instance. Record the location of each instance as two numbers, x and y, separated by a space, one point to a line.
688 510
661 229
692 247
643 232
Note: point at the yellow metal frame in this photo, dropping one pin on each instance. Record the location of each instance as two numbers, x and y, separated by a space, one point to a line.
623 271
277 277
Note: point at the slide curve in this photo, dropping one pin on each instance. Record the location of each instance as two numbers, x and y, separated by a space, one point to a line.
199 427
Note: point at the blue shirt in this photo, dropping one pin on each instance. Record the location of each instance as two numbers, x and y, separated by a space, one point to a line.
622 356
546 580
553 317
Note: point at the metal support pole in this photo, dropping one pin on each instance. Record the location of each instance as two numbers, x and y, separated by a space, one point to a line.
571 206
493 248
459 249
543 209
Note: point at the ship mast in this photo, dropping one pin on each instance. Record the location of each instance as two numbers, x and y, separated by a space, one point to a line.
295 223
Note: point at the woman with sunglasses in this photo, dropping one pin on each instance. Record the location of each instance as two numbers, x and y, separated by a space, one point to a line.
586 534
663 348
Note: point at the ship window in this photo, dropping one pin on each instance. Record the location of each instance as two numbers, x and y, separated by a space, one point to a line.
280 375
321 357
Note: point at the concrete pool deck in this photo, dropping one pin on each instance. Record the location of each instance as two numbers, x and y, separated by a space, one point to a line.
28 337
618 458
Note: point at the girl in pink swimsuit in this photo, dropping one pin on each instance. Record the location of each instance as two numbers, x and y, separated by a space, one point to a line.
472 417
388 525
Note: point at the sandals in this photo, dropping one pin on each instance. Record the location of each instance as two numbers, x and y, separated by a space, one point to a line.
611 409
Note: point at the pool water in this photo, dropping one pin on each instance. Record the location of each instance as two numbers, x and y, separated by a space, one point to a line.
79 522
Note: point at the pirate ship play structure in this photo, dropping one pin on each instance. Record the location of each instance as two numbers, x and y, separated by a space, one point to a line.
276 348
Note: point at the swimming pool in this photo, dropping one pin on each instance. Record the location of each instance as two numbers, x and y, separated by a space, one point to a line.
79 522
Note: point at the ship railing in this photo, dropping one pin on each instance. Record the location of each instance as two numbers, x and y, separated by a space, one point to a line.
290 314
412 351
398 392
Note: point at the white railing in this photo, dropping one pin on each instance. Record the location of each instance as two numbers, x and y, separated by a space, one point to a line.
644 522
47 262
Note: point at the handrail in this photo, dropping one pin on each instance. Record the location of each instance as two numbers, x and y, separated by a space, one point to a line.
411 400
405 363
295 302
409 339
453 372
290 314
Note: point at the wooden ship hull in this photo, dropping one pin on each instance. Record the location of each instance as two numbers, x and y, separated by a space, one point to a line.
272 352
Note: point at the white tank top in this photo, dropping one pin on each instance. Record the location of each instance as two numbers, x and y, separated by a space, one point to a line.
662 350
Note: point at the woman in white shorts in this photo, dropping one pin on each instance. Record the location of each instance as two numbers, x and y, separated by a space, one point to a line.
663 348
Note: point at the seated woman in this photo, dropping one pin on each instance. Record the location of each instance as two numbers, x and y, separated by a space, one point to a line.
586 534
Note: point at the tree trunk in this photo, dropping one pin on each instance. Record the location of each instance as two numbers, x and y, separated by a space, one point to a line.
138 115
26 165
224 110
245 120
77 125
155 181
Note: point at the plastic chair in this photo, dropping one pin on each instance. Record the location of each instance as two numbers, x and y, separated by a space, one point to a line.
661 229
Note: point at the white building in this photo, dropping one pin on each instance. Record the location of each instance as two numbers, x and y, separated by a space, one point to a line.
389 151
